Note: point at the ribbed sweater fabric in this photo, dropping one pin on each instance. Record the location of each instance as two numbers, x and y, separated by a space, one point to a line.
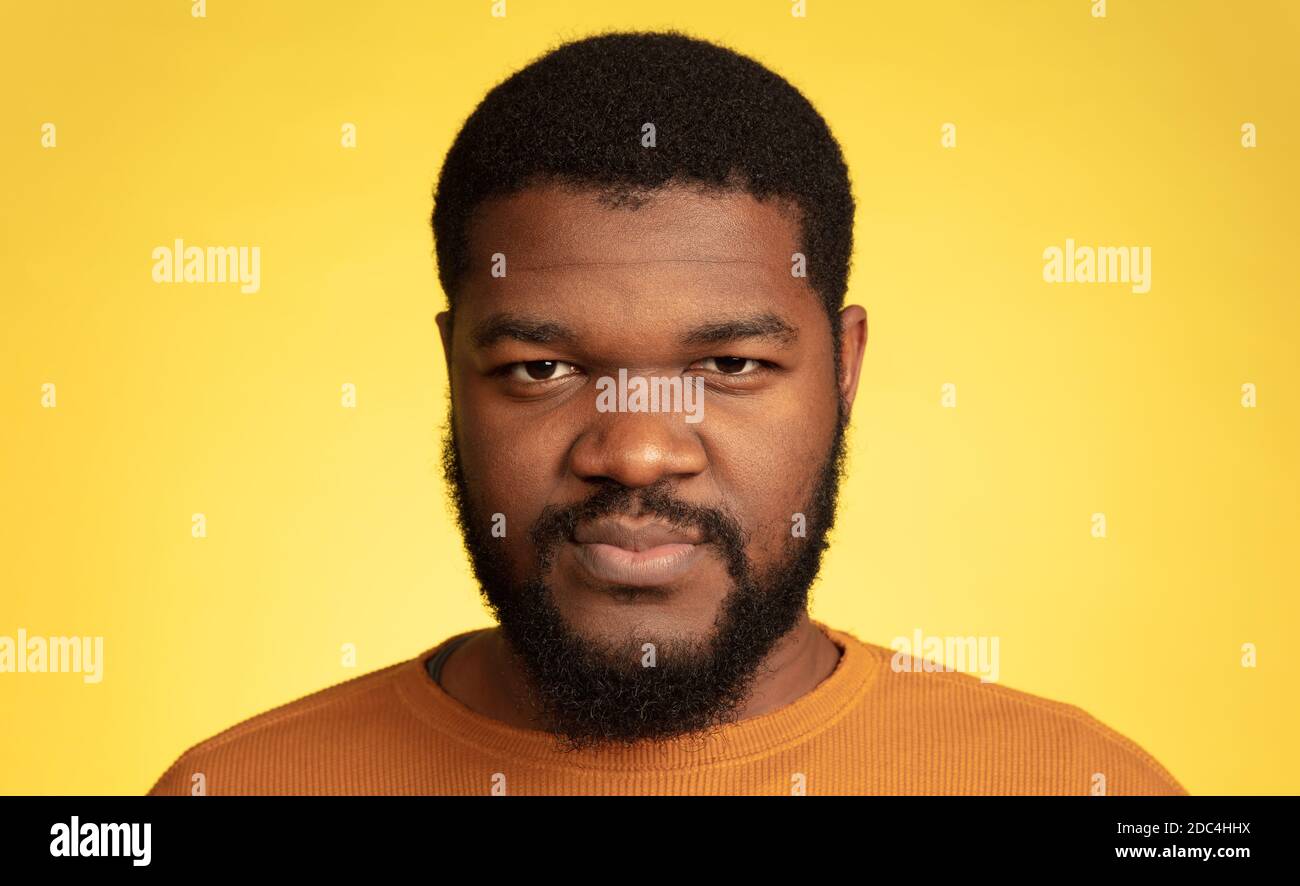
866 729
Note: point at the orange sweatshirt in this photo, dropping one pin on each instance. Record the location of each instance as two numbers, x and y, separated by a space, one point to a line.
866 729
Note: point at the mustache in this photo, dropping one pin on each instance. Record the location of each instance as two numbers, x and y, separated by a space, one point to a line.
557 523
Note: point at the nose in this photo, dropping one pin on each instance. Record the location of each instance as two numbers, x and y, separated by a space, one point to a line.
637 449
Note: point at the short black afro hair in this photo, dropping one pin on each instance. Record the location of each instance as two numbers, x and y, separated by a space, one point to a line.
574 116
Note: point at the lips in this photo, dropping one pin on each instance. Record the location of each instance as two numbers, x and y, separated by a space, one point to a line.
638 556
632 537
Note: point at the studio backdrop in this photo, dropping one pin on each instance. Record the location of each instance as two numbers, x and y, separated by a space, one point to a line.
1074 440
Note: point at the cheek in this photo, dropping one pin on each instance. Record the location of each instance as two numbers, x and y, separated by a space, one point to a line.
779 457
768 484
510 473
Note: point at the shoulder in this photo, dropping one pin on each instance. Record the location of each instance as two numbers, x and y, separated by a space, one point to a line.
1023 740
324 735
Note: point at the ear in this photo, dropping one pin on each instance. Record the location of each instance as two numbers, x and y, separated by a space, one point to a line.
853 341
444 330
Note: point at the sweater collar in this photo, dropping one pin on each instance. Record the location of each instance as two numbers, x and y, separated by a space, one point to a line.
806 716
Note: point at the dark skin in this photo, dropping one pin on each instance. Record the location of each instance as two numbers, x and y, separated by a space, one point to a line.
634 290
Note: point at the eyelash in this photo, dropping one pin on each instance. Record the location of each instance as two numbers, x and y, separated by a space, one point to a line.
761 367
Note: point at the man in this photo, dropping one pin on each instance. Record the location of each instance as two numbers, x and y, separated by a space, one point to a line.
645 240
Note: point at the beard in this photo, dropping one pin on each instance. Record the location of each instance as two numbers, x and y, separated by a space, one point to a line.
591 693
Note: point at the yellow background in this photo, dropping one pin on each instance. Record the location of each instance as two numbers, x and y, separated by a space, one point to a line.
329 525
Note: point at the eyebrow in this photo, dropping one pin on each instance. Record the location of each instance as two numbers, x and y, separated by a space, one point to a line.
525 329
768 327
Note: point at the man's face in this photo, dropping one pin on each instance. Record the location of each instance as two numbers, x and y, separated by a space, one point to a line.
593 532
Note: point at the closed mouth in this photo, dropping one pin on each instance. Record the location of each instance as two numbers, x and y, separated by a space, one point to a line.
658 565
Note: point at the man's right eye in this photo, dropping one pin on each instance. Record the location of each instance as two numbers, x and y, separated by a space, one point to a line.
539 370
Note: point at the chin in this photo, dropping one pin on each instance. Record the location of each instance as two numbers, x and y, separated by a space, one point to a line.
626 625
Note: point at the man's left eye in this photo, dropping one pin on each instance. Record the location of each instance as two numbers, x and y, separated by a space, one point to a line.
540 370
732 365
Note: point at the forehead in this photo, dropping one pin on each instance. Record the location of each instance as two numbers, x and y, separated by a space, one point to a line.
693 253
554 224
